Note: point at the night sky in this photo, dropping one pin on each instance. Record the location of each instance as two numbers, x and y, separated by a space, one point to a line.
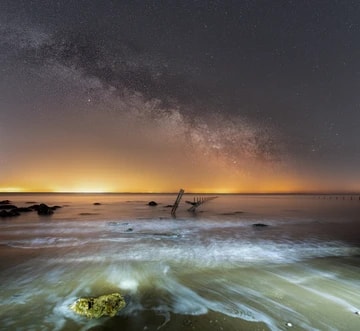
152 96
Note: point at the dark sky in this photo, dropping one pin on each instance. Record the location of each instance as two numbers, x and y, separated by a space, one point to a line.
150 96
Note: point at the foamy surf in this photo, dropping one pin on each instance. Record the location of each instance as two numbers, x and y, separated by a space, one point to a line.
259 295
205 271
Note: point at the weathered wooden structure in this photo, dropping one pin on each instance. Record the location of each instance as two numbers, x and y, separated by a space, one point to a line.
177 201
198 201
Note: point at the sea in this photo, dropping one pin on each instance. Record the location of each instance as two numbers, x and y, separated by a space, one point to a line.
238 262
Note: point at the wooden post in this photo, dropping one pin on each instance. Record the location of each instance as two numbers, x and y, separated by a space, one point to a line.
198 201
177 201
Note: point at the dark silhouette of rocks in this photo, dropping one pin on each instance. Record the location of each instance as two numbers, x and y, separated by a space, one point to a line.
260 225
22 209
152 203
10 213
44 209
9 210
7 206
97 204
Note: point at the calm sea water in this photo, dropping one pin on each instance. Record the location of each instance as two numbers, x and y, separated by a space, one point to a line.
209 270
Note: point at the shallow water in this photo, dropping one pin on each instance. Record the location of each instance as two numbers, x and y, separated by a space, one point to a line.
210 270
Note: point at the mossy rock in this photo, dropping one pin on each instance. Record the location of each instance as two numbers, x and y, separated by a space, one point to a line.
95 307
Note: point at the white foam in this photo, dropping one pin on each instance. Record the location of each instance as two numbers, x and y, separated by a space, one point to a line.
209 253
233 299
129 284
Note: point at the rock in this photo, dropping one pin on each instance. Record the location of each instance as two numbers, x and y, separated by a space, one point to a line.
260 225
34 207
44 210
5 202
129 230
95 307
10 213
22 209
97 204
7 206
55 207
152 203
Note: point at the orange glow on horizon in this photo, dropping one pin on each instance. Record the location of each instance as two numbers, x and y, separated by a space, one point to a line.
265 188
136 179
81 190
12 190
188 190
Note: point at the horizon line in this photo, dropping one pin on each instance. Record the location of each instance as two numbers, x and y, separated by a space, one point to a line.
204 193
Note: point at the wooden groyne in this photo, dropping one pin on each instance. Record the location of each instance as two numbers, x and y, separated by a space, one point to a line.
198 201
177 201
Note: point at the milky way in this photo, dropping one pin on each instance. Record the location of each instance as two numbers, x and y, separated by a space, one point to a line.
246 93
142 90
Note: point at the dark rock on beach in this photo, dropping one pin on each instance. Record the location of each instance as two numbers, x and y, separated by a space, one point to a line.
259 225
22 209
44 209
7 206
10 213
152 203
97 204
10 210
34 207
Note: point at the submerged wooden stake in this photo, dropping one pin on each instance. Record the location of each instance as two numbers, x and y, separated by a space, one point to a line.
198 201
177 201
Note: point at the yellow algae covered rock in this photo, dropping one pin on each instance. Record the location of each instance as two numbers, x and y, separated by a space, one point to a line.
95 307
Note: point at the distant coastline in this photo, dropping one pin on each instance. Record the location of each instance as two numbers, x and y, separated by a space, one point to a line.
187 193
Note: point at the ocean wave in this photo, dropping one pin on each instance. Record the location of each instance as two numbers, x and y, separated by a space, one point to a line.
186 252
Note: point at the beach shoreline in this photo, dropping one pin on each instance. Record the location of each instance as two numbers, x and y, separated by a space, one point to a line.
212 270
